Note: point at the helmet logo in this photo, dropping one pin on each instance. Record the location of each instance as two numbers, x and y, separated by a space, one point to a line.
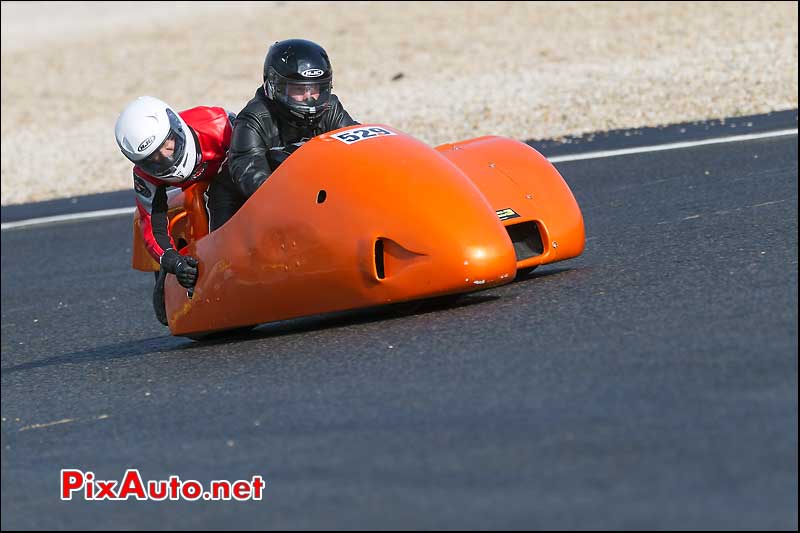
145 143
313 73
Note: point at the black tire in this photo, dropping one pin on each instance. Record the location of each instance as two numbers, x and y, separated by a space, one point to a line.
525 272
427 304
219 335
405 308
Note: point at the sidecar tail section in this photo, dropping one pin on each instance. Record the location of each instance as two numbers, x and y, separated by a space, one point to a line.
527 193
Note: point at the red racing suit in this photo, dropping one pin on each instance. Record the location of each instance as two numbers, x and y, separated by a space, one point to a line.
211 128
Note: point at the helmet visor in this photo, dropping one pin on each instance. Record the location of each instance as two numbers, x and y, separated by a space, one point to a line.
304 96
168 156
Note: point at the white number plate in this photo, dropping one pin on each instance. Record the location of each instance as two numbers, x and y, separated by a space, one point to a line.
355 135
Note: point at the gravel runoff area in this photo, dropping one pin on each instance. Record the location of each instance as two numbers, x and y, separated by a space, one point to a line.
439 71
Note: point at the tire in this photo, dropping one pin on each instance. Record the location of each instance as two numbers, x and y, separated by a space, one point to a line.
405 308
220 335
427 304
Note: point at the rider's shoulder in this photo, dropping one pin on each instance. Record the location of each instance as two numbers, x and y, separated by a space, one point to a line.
257 108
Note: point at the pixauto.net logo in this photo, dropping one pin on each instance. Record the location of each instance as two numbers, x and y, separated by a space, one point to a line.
85 485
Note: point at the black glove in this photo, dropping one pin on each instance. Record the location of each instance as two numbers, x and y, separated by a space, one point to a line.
183 266
186 271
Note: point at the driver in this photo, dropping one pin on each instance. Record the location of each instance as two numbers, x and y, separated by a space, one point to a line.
293 105
170 149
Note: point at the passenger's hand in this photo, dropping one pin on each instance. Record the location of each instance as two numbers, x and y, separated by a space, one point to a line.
183 266
186 271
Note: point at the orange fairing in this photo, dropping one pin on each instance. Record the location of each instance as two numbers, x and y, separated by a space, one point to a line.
513 176
366 216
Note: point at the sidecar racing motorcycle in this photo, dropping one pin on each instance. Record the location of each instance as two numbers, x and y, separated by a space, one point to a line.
364 216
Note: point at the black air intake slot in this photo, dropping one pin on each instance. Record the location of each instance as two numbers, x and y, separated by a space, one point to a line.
526 239
379 266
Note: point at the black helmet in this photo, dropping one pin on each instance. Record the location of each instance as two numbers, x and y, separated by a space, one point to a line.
298 77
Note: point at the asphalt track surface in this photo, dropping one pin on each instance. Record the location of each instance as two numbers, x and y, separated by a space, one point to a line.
649 383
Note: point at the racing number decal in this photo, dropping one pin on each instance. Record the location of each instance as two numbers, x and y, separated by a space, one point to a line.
355 135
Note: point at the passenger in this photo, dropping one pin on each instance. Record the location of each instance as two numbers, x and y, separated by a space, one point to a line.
170 149
293 104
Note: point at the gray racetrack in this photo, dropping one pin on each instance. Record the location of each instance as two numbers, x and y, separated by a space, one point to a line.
649 383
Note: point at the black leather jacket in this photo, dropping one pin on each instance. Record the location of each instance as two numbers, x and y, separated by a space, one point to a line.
259 128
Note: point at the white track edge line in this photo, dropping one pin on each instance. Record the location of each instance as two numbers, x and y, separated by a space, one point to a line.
65 218
558 159
672 146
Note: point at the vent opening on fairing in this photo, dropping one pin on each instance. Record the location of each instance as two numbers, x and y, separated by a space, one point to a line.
379 260
526 239
321 196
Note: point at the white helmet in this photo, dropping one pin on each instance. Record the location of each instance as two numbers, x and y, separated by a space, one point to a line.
156 139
